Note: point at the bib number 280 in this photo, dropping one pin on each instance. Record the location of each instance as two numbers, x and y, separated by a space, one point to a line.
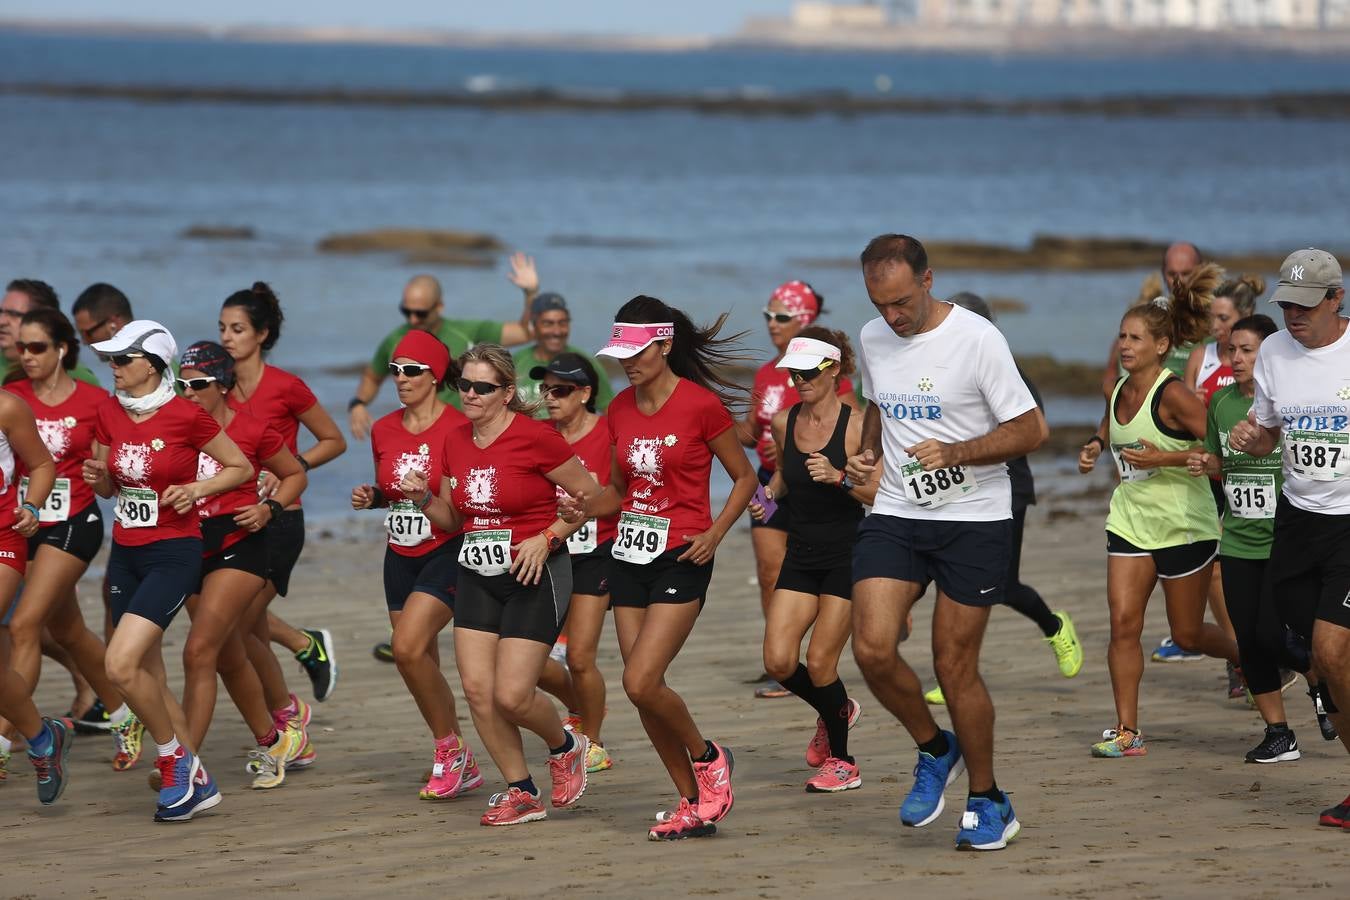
137 508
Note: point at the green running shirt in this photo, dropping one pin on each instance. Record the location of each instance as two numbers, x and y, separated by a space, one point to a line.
1251 483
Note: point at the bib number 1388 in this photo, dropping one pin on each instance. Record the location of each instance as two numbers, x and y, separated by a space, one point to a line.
936 487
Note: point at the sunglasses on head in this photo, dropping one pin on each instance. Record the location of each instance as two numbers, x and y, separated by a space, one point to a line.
408 370
34 347
558 390
196 384
123 359
779 317
800 375
418 314
481 388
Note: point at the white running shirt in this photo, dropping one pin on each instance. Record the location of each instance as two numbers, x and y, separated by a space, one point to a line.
955 383
1306 394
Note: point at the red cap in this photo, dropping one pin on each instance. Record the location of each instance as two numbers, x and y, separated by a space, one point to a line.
798 298
425 348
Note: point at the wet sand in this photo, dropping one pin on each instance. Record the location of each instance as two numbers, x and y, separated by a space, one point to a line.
1188 819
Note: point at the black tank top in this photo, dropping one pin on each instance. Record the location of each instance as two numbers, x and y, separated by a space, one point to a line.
822 515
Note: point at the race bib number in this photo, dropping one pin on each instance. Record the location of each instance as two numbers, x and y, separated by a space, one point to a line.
582 540
487 552
1250 496
1319 455
938 487
1127 471
137 508
641 539
57 507
406 524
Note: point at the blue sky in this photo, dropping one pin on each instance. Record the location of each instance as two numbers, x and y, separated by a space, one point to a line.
618 16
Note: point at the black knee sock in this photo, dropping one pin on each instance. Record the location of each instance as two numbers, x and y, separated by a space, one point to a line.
830 703
1029 603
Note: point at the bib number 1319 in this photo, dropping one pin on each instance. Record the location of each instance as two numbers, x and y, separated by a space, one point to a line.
933 488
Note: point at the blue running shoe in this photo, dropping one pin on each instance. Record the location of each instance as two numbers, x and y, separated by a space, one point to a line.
51 766
931 776
177 775
1168 652
205 795
987 825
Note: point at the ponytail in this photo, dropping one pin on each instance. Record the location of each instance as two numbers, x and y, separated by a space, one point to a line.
263 308
697 354
1183 319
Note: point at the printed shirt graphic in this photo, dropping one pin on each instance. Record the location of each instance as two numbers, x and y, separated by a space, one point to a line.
596 455
279 400
67 430
1302 390
257 441
773 392
156 453
398 451
954 383
503 485
666 458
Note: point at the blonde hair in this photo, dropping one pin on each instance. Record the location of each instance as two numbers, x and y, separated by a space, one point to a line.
499 358
1243 291
1184 319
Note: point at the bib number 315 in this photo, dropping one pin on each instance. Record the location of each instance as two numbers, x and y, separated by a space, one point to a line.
937 487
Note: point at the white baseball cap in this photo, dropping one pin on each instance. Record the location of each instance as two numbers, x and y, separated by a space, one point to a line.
143 335
807 353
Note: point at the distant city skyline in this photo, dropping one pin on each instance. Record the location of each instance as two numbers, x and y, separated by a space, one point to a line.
689 17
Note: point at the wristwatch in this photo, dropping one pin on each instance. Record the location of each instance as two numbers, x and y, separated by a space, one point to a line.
354 403
554 542
275 506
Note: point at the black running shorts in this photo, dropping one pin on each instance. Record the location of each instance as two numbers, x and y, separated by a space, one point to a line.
81 535
503 606
968 560
435 573
1170 562
285 540
590 571
663 580
1310 558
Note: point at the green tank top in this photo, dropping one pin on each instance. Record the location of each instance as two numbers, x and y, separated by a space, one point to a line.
1251 484
1156 508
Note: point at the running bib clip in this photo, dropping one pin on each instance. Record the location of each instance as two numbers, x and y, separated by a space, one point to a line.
1127 471
487 552
1250 496
1319 455
57 507
406 524
931 489
137 508
641 539
583 539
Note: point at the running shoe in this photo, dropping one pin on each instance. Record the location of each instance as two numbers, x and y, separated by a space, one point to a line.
4 763
598 759
205 795
303 711
453 772
1237 685
771 690
513 807
319 663
50 767
1324 723
714 785
305 754
571 722
94 721
683 822
1288 678
835 775
127 737
1119 741
987 825
818 751
558 652
1169 652
935 697
383 651
177 774
1279 745
932 774
1068 651
1338 816
268 764
568 771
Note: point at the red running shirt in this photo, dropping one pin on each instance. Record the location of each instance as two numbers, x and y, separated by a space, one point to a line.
67 430
503 485
774 392
154 454
257 441
597 455
666 458
280 399
398 451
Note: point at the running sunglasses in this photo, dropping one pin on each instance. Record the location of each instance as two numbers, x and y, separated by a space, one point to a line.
558 390
34 347
196 384
408 370
481 388
88 333
780 318
418 314
810 374
123 359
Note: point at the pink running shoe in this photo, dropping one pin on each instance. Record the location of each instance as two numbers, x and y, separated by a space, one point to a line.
513 807
453 772
714 785
834 776
818 751
682 823
569 772
571 722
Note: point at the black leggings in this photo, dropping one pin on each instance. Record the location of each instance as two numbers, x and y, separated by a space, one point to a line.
1259 629
1019 596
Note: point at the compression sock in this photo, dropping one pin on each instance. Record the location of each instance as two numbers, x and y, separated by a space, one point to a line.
527 785
830 703
937 747
1029 603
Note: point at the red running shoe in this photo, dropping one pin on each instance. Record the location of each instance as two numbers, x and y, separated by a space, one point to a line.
569 772
819 749
679 824
714 785
513 807
1338 816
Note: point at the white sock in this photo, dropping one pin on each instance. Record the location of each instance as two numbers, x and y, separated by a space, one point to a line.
119 715
169 749
6 745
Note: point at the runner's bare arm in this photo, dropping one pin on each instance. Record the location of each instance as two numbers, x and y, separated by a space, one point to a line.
605 504
235 469
865 492
293 481
1253 439
572 477
19 426
525 276
438 507
358 418
95 471
1016 437
330 442
729 453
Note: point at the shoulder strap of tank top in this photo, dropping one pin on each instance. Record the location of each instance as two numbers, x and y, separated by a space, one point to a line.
1155 407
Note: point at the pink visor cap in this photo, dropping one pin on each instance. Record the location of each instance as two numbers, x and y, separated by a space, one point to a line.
629 339
807 353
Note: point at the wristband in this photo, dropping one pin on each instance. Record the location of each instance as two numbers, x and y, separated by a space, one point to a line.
379 501
845 483
275 506
426 500
354 403
304 463
1097 438
31 508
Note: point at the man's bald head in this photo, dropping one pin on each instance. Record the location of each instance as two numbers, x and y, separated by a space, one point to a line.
1181 259
421 304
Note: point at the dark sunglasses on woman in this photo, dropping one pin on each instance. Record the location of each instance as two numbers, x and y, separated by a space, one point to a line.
481 388
558 390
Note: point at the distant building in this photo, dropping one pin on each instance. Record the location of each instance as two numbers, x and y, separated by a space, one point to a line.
1203 15
817 15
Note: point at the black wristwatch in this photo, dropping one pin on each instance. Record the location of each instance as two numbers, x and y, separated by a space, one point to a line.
354 403
275 506
304 463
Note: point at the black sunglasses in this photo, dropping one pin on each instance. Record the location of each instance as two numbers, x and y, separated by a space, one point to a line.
481 388
196 384
123 359
33 347
780 318
408 370
810 374
558 390
88 333
418 314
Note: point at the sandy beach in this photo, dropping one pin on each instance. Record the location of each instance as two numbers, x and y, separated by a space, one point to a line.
1189 819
